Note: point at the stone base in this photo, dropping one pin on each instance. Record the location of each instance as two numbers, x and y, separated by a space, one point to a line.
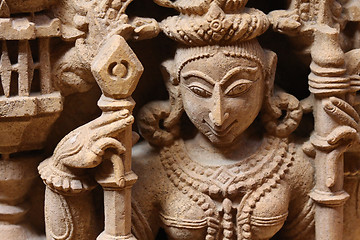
105 236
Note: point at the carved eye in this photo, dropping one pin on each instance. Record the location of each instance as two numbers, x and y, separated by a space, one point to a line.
200 91
238 89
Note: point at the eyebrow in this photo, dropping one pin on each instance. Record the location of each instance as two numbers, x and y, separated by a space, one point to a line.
199 74
236 70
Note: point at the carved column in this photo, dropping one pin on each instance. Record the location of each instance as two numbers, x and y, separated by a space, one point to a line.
329 85
320 25
28 108
101 149
117 71
116 178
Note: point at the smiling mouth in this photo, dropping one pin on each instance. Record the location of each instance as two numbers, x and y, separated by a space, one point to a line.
221 132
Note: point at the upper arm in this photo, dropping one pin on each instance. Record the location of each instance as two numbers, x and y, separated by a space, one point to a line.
145 164
300 222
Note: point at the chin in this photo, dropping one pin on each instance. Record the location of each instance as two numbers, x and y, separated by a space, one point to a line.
221 141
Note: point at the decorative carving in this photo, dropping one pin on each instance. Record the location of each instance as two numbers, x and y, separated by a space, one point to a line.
198 181
216 27
230 181
29 107
103 144
336 121
230 155
87 25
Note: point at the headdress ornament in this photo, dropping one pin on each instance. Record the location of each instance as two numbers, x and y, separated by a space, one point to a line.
213 22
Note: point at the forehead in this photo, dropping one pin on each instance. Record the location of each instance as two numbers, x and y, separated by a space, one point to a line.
219 65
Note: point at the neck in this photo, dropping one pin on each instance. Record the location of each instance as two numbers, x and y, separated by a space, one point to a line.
202 150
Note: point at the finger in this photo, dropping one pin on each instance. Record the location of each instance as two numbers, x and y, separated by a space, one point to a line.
164 3
342 133
107 118
339 115
346 107
86 159
230 4
114 128
102 144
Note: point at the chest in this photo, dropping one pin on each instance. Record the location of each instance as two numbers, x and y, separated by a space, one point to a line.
255 214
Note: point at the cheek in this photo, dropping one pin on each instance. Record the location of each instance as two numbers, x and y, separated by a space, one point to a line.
255 101
247 107
195 107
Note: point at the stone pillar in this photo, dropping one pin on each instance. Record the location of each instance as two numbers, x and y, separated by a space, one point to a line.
16 178
27 111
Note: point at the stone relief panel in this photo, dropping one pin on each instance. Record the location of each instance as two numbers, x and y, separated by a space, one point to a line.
29 102
245 123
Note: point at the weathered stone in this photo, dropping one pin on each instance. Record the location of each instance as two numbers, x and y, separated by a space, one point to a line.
230 155
116 68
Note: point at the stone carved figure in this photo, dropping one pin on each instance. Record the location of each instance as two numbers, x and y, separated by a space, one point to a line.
85 24
239 177
98 152
351 160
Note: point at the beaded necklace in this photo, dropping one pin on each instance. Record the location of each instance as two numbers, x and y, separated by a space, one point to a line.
250 178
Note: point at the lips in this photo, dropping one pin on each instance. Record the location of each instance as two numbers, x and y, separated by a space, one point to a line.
220 132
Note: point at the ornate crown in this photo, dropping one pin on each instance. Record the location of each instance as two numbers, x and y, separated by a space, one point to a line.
210 22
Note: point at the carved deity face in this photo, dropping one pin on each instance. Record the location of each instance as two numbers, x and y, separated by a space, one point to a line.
222 95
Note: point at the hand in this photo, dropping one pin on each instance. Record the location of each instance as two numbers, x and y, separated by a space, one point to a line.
347 118
85 146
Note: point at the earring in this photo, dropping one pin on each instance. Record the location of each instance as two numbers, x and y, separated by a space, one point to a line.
153 124
282 114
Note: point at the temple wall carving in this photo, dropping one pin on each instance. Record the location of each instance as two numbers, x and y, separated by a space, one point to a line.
179 119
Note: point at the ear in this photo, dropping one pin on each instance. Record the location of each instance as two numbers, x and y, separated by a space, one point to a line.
270 70
168 71
275 105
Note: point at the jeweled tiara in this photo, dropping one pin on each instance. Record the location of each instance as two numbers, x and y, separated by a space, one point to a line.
211 22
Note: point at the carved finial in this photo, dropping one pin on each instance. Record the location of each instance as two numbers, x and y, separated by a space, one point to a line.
213 22
116 68
4 9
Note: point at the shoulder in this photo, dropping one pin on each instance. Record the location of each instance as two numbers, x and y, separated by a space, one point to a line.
147 166
301 171
300 177
144 155
153 180
148 189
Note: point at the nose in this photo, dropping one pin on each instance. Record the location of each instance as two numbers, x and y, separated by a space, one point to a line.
217 115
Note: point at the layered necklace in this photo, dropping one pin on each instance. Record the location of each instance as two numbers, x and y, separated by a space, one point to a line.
250 178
